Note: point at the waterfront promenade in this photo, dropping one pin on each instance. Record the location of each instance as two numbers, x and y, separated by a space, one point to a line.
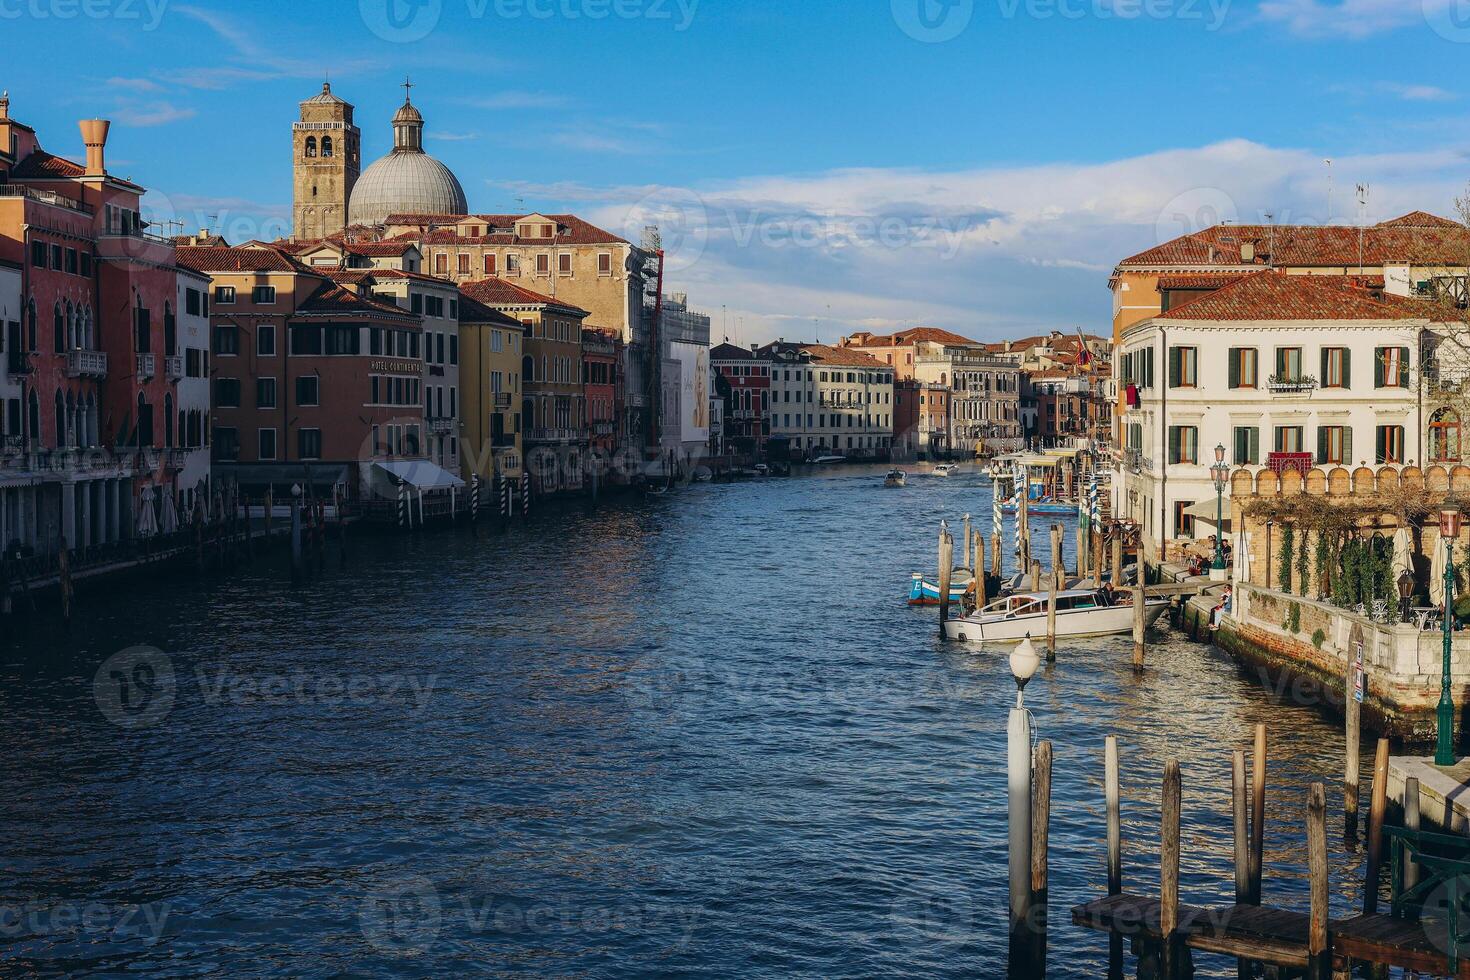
670 736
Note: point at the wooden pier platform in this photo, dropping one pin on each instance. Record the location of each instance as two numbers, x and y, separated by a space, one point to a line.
1276 936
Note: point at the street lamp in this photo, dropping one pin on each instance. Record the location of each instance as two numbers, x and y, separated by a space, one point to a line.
1449 530
1024 662
1405 583
1220 473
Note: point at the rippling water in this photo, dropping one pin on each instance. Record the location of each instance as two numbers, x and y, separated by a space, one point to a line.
699 735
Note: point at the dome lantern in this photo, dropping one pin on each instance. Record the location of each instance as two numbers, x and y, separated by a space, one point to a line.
406 180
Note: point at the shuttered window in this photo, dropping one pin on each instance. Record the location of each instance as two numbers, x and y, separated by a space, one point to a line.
1334 444
1390 448
1243 367
1288 363
1247 445
1391 367
1288 439
1183 367
1183 444
1336 367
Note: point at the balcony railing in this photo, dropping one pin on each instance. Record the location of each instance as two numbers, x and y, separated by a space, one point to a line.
1290 384
173 366
441 427
45 197
86 364
502 401
1279 463
1136 461
552 435
147 365
11 445
18 362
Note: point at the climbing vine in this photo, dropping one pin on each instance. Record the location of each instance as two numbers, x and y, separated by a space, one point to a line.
1303 582
1325 575
1286 546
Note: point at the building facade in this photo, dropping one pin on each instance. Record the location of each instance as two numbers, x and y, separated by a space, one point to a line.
1281 371
553 405
920 419
326 158
745 376
602 371
491 348
830 401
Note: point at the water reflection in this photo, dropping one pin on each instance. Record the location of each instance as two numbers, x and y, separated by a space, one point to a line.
701 733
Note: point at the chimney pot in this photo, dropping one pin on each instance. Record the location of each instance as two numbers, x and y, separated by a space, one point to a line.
94 135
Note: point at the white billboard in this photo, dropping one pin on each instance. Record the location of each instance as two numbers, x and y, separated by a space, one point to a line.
693 362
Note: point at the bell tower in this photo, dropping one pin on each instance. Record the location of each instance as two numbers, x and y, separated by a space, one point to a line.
326 157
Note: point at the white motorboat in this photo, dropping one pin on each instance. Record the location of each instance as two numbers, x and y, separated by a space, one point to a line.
895 478
945 469
824 460
1080 612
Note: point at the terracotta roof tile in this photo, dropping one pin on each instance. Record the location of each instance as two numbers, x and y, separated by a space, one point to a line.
502 292
339 300
40 165
1279 296
571 230
204 259
472 310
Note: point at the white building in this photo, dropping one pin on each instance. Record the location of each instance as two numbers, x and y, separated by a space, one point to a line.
188 361
684 339
830 399
1281 371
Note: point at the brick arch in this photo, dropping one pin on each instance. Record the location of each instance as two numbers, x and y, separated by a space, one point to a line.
1460 478
1291 482
1242 484
1387 479
1339 481
1268 484
1316 481
1436 479
1362 480
1411 478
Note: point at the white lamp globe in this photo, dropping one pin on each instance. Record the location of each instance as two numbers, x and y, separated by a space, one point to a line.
1024 661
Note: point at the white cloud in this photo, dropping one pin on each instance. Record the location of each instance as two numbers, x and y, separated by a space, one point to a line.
986 252
159 113
518 100
1352 18
1420 93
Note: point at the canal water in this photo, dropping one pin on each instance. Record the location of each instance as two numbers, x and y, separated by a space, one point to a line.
696 735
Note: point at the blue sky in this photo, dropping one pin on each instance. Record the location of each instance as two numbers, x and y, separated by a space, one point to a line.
817 165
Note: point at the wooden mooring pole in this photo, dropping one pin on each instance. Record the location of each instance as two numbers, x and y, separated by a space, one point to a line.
64 569
1040 826
1139 626
946 570
1319 959
1375 828
1411 822
981 586
1258 813
1172 948
1239 810
1115 847
1116 569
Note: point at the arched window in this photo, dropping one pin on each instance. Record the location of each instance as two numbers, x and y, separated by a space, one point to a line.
60 441
71 326
168 421
311 146
35 413
31 346
184 441
1444 436
58 329
326 146
145 422
528 368
73 433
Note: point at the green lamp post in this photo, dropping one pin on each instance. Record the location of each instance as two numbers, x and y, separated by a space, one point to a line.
1444 752
1220 473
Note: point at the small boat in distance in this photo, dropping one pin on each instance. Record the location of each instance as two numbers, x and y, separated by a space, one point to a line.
945 469
1043 507
820 460
1080 612
895 478
923 592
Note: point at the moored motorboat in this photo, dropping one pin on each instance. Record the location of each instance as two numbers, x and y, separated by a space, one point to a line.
1080 612
822 460
924 592
895 478
945 469
1043 507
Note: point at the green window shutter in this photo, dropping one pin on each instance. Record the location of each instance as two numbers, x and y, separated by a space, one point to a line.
1235 353
1173 443
1255 445
1403 367
1382 438
1347 445
1347 368
1174 353
1378 366
1321 443
1323 376
1280 363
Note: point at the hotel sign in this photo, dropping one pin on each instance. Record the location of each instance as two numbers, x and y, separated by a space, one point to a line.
398 367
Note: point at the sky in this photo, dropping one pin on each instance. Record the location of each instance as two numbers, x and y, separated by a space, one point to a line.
814 166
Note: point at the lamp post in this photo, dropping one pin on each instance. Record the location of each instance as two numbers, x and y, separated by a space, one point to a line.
1405 584
1024 661
1444 752
1220 473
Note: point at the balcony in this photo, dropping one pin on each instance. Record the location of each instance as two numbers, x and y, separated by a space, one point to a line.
86 364
147 366
11 445
44 197
441 427
502 401
173 366
552 435
18 362
1136 461
1279 463
1290 384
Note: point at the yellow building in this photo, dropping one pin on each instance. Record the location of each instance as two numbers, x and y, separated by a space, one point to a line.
491 346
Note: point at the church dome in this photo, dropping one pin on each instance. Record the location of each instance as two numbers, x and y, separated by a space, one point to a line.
407 180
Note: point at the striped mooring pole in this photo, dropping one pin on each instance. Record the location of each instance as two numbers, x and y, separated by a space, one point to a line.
475 497
1018 498
504 497
525 493
403 505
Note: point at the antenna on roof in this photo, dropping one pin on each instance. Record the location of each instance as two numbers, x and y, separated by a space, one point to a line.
1363 191
1270 239
1328 163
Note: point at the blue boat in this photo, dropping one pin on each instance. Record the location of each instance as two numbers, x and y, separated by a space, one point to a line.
923 592
1042 507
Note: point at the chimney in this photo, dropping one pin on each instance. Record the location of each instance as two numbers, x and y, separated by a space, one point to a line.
5 106
1247 253
94 135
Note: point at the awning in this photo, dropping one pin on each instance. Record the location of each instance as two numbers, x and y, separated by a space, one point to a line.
419 473
1206 509
283 474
